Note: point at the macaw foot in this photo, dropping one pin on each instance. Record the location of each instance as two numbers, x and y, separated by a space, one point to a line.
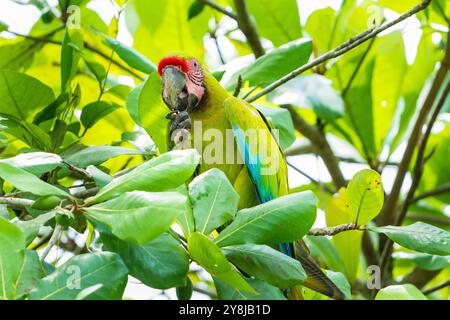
179 129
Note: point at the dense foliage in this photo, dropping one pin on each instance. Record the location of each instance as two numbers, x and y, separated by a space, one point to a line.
85 164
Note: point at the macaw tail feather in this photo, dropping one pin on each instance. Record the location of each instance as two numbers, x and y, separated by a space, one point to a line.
316 280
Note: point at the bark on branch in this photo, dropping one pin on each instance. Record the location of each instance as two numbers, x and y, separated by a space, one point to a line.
332 231
248 28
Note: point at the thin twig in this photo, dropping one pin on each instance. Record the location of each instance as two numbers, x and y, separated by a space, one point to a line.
332 231
16 203
438 191
318 183
219 8
436 288
340 50
248 28
238 88
52 241
318 138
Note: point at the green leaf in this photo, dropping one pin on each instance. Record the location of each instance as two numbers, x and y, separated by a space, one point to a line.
266 264
277 21
348 244
81 272
30 228
320 27
208 255
36 163
365 196
132 103
341 282
101 179
161 263
139 217
423 260
26 181
12 257
165 172
419 236
275 64
264 291
22 96
326 253
96 155
400 292
214 201
31 272
195 9
69 56
284 219
312 91
3 26
281 120
95 111
152 112
185 292
132 57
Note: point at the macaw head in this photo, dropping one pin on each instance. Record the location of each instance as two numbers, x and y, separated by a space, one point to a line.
182 79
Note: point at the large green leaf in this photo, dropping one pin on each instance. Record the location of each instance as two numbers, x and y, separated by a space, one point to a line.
348 244
22 96
132 103
95 111
70 56
320 27
419 236
365 196
12 257
281 120
165 172
400 292
208 255
95 155
105 270
277 21
423 260
161 263
284 219
139 216
36 163
31 272
213 199
312 91
264 291
26 181
151 111
132 57
275 64
266 264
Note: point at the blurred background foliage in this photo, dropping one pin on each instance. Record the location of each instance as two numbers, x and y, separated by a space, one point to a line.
98 88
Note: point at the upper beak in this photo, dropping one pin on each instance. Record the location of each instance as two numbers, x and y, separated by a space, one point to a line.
174 88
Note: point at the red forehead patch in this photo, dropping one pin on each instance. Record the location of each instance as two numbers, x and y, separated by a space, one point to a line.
172 61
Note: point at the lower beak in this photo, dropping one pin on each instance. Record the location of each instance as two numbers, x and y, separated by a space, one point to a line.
174 88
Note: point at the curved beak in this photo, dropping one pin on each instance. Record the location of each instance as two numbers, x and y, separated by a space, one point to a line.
174 89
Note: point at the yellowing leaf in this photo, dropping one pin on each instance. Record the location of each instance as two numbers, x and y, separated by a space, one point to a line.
365 196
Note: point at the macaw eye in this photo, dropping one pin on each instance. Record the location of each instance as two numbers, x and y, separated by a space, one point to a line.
195 63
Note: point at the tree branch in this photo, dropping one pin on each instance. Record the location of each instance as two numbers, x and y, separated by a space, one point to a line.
438 191
55 236
417 175
86 46
219 8
16 203
318 183
248 28
436 288
420 277
340 50
332 231
388 213
317 137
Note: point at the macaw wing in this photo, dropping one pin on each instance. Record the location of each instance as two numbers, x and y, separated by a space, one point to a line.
258 148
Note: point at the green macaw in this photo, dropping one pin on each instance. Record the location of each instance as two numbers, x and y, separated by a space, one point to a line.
254 163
